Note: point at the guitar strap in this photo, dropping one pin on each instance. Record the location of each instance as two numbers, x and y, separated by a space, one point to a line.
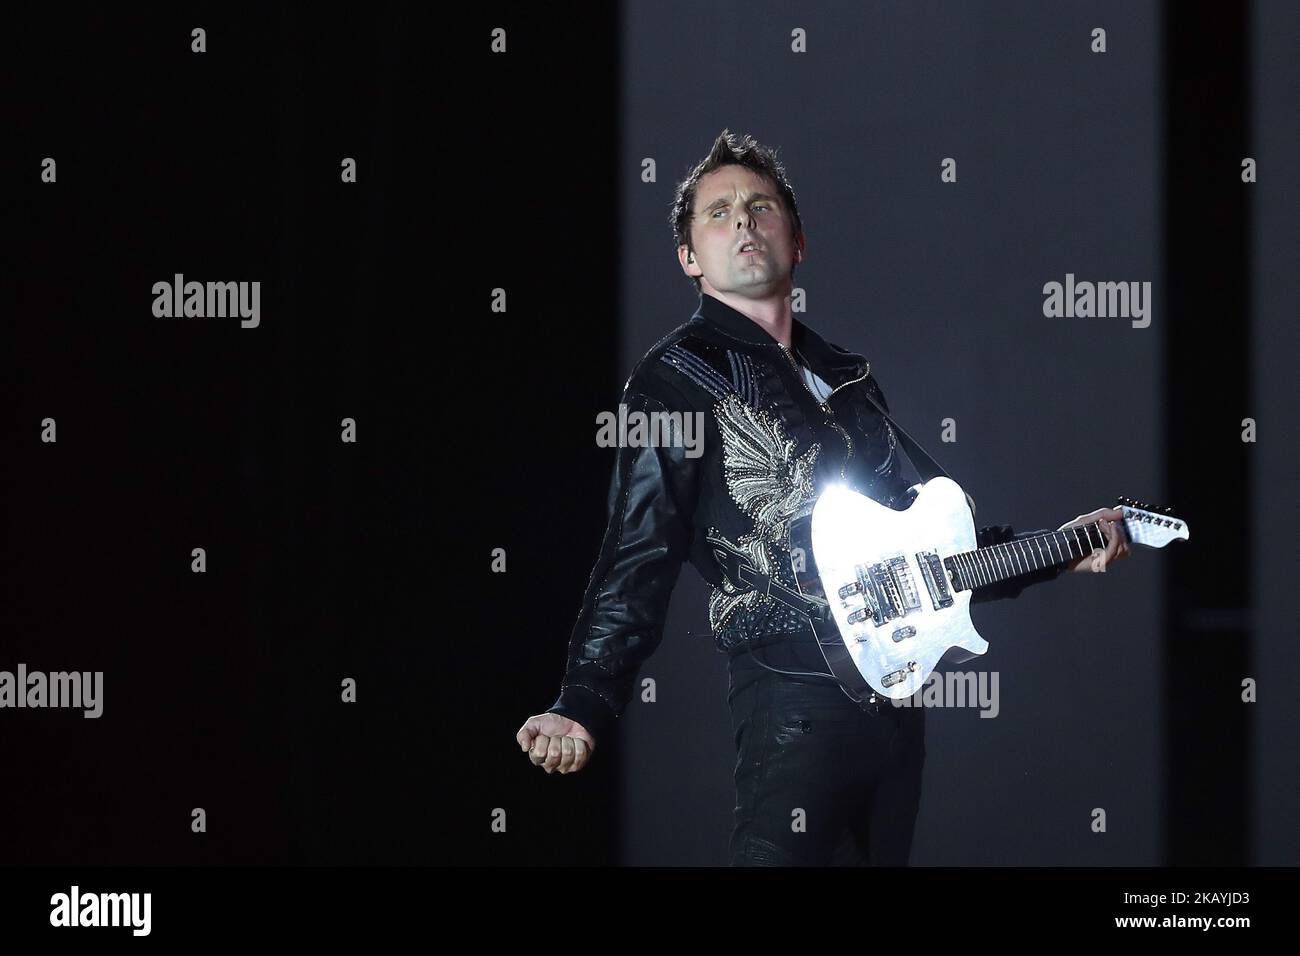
925 466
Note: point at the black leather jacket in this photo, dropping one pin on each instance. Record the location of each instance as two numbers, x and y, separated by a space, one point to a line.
768 446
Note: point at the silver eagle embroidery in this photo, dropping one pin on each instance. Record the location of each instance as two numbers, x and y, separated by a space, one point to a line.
768 482
763 476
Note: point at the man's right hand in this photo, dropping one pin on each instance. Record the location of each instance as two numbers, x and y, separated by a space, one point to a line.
556 743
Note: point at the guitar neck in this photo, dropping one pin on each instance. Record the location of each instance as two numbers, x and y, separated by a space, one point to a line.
1000 562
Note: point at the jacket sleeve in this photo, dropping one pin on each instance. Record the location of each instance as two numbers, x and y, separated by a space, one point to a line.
648 535
895 491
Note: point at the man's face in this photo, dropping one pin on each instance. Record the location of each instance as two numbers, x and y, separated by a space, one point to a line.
733 205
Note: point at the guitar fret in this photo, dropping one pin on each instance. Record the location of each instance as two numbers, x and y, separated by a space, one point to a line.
981 567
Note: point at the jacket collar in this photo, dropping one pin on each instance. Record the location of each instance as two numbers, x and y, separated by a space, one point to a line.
823 356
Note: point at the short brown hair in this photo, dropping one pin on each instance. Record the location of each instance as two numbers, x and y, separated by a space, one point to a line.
729 150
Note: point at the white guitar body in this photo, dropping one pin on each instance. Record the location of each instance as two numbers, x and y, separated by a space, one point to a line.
850 531
893 588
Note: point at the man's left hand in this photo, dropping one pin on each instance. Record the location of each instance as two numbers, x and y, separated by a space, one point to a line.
1116 545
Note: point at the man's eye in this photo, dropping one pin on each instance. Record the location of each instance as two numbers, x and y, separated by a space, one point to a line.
761 205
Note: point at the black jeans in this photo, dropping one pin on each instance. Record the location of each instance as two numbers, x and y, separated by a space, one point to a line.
820 781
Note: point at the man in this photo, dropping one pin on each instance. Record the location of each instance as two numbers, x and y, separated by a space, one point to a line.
785 412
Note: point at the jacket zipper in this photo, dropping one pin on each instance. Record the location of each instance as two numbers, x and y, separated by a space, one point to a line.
826 407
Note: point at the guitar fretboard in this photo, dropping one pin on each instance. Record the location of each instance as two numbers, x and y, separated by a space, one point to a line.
998 562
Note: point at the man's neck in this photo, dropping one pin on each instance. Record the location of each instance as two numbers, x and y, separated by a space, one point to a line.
773 315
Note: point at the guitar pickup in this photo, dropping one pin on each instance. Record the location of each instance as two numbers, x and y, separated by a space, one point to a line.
936 582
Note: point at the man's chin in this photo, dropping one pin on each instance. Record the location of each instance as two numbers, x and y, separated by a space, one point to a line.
755 272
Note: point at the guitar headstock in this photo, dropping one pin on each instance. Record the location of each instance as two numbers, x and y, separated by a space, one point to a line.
1150 525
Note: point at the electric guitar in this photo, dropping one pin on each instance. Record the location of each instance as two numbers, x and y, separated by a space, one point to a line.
892 589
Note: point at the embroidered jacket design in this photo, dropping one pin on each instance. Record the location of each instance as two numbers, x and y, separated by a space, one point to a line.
769 483
763 476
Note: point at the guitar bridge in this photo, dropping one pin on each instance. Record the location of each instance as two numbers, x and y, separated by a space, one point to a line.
887 589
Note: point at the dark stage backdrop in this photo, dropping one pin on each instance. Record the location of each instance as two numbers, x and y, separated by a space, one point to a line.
222 689
326 560
478 171
1264 504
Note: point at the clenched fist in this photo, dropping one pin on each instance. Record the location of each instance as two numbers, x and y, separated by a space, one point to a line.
556 743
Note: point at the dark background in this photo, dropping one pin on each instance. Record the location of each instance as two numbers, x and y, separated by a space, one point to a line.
522 172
